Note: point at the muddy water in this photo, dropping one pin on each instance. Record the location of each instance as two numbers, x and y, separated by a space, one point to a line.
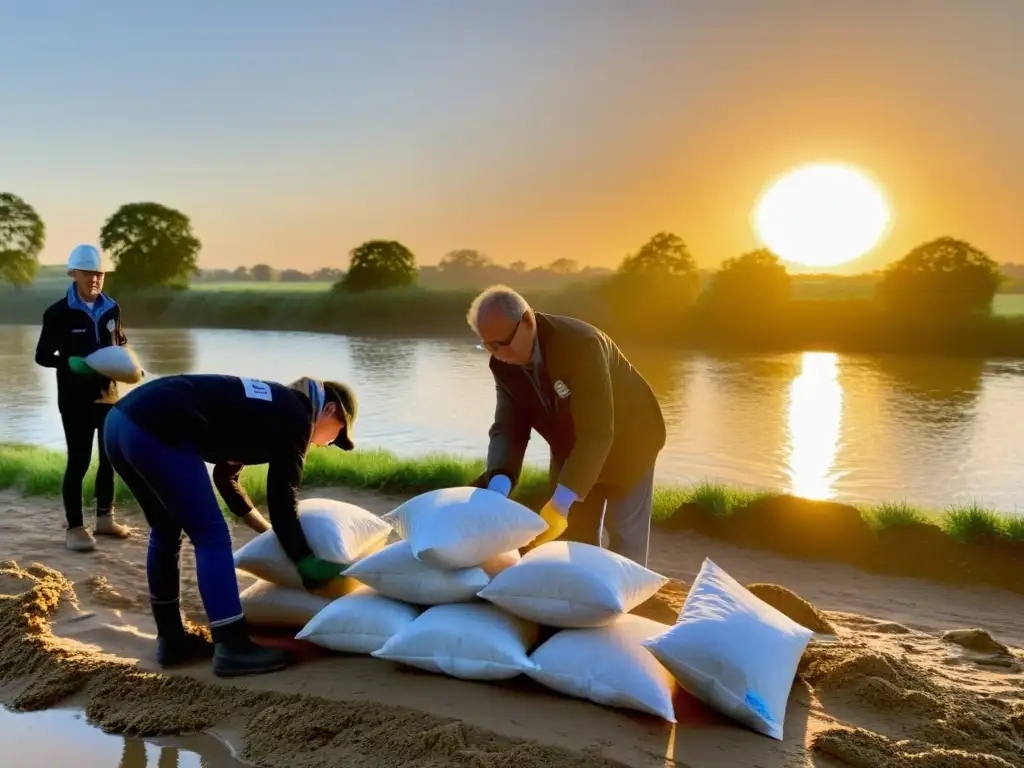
62 738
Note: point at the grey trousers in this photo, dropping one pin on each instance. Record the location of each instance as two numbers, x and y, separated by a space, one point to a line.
626 516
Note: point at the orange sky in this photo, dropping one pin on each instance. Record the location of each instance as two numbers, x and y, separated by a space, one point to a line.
530 131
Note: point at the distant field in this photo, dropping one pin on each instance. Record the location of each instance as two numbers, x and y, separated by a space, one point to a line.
1008 304
311 287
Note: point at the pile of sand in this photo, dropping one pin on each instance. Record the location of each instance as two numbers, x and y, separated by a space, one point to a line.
39 670
935 724
793 606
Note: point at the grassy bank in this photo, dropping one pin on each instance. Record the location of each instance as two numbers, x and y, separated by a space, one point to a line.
838 325
38 471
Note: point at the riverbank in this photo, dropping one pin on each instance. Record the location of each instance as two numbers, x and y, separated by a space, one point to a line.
839 325
962 544
893 687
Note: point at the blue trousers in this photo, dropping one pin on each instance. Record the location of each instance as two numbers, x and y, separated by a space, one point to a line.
626 515
173 488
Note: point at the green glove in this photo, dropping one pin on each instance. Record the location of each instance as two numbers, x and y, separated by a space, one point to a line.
79 366
316 572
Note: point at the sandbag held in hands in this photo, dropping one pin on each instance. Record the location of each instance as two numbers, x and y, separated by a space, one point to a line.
464 527
337 531
117 363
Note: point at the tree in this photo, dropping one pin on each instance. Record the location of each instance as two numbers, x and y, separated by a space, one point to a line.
564 266
378 264
943 278
22 235
652 288
464 260
518 266
293 276
263 273
241 274
749 287
150 244
327 275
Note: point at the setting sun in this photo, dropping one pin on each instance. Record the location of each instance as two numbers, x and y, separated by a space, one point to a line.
822 215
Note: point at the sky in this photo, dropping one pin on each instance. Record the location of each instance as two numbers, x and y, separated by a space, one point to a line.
529 130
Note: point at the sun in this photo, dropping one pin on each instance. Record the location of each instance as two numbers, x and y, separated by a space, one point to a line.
822 215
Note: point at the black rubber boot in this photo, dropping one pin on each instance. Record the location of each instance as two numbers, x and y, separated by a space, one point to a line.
175 646
235 654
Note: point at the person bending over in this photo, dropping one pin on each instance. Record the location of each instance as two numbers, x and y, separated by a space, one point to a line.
161 436
84 320
568 381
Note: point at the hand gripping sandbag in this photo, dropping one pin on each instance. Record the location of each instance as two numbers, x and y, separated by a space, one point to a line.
571 584
117 363
609 666
358 623
472 641
336 531
463 527
268 605
395 573
733 651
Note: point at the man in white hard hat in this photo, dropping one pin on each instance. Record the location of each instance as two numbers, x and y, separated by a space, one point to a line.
84 320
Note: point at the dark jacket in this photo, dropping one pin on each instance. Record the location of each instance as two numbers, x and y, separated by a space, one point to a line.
232 422
71 329
602 421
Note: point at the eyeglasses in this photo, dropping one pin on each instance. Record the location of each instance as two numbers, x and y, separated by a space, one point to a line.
493 346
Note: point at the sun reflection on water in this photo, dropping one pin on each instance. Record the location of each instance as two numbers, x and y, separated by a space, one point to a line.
814 426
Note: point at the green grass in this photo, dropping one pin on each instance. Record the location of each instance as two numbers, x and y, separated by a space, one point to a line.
36 471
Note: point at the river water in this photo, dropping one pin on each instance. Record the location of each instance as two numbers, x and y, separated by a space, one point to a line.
930 430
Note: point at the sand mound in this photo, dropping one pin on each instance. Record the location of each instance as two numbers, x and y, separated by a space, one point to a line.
951 728
42 669
975 640
105 594
793 606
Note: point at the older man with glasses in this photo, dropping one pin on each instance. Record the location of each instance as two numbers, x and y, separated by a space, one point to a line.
569 381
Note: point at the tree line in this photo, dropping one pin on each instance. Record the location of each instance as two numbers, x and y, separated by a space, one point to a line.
152 245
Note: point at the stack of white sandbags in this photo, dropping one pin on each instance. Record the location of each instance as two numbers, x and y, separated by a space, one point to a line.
420 606
587 592
337 531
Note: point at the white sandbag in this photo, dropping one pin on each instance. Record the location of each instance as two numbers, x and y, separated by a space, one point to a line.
473 641
499 563
395 573
463 527
336 531
609 666
733 651
268 605
358 623
571 584
117 363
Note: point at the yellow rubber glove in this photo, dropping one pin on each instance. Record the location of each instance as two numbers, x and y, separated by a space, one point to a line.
557 523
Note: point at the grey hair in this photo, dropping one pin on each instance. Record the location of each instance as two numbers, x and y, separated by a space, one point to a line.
498 298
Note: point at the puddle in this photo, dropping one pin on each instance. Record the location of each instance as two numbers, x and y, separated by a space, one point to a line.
62 737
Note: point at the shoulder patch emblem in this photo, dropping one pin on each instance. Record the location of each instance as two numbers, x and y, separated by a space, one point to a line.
111 325
561 390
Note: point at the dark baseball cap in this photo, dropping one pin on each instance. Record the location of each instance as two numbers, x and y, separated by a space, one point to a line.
348 407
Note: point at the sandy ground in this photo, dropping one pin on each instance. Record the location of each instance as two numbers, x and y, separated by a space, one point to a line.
886 691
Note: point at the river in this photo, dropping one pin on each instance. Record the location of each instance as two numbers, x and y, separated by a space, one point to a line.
928 430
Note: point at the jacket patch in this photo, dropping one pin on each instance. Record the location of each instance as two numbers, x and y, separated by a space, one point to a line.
561 389
111 325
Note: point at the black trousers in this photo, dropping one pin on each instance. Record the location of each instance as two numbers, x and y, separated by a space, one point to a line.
82 424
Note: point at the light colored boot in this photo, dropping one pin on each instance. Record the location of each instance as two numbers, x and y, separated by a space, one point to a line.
106 525
79 540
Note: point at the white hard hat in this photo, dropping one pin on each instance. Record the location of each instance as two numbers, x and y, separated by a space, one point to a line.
87 258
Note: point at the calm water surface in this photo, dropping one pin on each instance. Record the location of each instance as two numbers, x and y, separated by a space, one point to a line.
62 738
850 427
